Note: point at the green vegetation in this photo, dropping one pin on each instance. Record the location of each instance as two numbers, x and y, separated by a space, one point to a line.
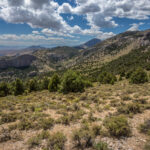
45 83
145 128
4 90
130 108
118 126
56 141
72 82
54 83
32 85
101 146
139 76
107 78
129 62
18 87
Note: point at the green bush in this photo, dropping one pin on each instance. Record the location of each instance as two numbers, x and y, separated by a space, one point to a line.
72 82
118 126
4 90
101 146
84 137
56 141
9 117
107 78
54 83
25 124
33 141
45 83
18 87
139 76
130 108
46 123
32 85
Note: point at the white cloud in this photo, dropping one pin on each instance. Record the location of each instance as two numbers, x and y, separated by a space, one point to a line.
135 26
35 32
46 14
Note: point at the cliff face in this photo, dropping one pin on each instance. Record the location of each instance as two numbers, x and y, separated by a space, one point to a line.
17 62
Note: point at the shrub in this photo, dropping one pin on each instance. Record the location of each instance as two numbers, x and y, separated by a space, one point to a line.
96 130
46 123
45 83
87 83
33 85
130 108
33 141
4 135
4 90
107 78
84 137
36 140
145 128
56 141
25 124
19 88
101 146
54 83
118 126
139 76
6 118
72 82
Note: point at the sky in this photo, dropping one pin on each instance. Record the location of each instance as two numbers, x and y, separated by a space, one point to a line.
53 23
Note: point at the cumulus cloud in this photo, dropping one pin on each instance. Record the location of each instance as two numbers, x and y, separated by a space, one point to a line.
135 26
47 15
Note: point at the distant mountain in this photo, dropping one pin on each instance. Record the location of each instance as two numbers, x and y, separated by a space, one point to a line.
34 48
120 53
89 44
12 51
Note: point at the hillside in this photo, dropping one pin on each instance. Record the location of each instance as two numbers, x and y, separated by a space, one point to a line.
96 106
35 62
120 50
39 119
91 60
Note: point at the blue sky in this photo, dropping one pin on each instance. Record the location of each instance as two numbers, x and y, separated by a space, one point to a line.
69 22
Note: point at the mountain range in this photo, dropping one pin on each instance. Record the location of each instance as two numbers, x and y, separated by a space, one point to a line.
117 54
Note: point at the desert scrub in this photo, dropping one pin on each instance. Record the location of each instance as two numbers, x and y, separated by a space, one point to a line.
145 128
25 124
36 140
9 117
33 141
56 141
45 124
4 135
85 136
101 146
117 126
133 108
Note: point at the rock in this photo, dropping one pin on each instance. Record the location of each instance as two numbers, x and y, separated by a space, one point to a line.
17 62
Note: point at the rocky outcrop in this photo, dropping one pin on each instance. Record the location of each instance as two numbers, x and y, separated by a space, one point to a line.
17 62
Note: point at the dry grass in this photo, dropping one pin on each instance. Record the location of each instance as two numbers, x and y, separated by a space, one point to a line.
24 117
